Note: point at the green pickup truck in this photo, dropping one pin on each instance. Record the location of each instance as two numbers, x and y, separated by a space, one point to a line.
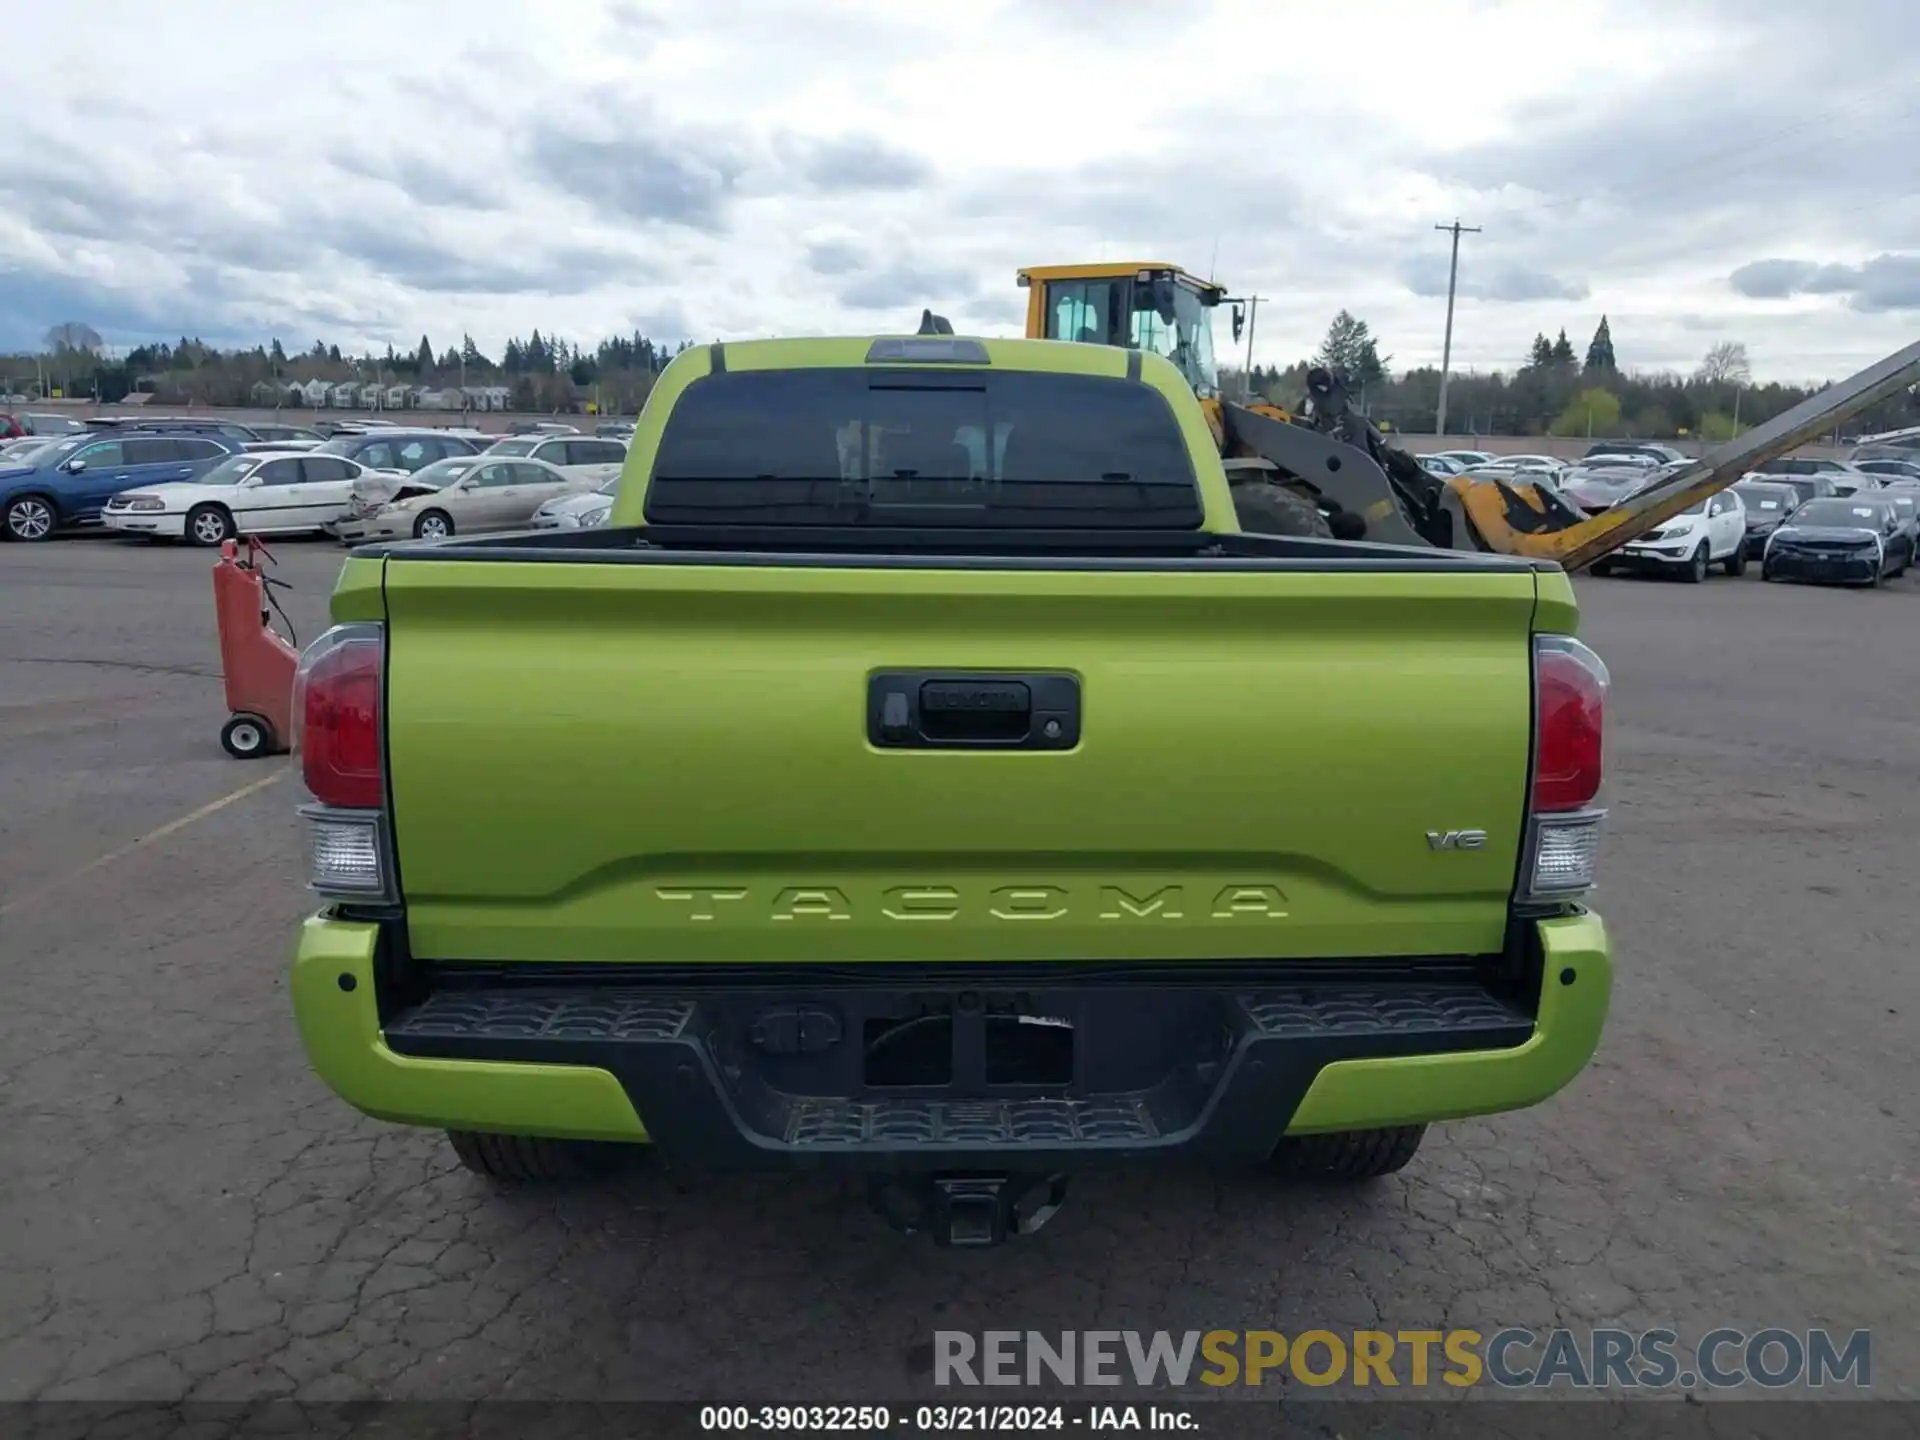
923 773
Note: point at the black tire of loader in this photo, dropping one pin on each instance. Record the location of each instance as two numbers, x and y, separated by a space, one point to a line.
1268 509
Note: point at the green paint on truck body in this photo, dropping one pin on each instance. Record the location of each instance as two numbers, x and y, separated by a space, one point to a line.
677 766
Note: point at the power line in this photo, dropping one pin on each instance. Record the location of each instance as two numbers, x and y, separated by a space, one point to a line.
1446 351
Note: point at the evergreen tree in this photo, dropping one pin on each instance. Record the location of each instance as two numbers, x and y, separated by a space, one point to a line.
1350 351
1562 351
424 356
1600 352
1541 355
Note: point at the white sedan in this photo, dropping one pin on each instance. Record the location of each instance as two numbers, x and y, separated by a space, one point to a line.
577 511
1543 463
591 458
256 493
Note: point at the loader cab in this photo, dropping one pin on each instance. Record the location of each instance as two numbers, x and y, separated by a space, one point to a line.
1149 306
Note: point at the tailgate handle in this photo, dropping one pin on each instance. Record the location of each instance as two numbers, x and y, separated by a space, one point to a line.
926 710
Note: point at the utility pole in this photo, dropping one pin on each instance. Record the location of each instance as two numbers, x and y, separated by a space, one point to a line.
1253 312
1446 349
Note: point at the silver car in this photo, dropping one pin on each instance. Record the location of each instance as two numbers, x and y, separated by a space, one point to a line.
578 512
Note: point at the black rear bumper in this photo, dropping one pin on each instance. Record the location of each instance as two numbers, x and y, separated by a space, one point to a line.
914 1068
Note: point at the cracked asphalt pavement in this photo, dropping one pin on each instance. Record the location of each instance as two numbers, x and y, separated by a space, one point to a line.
185 1212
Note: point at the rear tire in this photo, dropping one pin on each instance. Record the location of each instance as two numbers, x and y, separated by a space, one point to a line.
1602 568
516 1159
1696 570
1348 1154
1736 563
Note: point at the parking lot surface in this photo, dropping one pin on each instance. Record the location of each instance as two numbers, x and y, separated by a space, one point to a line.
186 1212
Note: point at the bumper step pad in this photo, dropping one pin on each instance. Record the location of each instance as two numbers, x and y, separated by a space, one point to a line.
1216 1071
970 1122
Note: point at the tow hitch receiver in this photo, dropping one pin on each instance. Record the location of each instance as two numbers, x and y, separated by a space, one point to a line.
970 1211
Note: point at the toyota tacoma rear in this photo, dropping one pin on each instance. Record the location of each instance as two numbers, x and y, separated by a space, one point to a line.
922 772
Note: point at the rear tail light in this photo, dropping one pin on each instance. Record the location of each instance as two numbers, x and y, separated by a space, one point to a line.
1563 826
337 737
1570 697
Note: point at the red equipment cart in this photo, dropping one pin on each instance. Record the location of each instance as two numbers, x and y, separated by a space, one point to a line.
256 660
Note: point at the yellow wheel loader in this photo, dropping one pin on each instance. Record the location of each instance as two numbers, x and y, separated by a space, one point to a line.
1328 471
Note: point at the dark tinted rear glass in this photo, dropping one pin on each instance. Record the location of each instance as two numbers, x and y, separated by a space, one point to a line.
906 448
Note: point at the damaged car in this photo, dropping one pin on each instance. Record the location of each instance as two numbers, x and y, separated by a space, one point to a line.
464 495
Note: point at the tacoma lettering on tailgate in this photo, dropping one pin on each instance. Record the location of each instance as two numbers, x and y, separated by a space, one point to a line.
1022 903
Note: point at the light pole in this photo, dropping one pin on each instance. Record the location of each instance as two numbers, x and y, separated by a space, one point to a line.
1446 349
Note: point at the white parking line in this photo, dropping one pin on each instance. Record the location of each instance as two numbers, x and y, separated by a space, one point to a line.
101 861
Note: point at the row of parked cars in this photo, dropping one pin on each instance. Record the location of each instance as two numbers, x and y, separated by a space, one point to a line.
206 481
1845 522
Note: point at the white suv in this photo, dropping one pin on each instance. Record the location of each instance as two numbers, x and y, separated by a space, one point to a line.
1709 532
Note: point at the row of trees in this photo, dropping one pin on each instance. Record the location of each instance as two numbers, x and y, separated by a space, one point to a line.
1558 390
543 372
1554 390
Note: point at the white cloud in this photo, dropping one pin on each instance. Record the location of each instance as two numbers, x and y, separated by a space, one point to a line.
727 168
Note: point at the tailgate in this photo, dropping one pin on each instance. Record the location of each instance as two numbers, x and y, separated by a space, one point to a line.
671 762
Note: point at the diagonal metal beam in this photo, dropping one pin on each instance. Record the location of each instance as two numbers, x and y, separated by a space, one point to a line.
1724 464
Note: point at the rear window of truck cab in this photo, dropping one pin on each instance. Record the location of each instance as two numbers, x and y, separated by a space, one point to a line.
888 447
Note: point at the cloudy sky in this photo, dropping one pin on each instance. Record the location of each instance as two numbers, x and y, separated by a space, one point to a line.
1698 170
